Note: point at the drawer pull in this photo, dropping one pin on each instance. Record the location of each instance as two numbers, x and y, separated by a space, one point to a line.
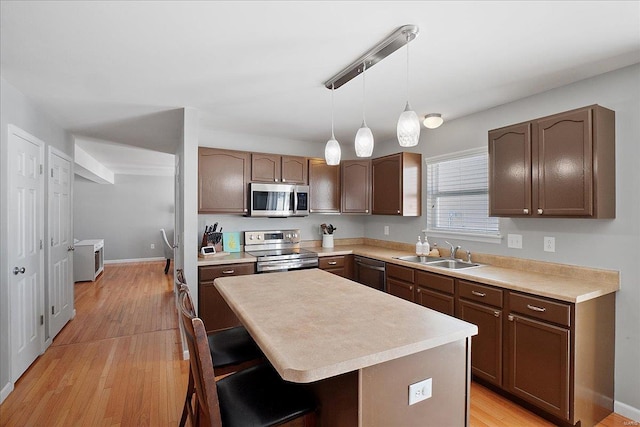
332 262
479 294
535 308
228 271
496 313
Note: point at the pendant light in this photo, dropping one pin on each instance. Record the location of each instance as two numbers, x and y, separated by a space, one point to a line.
408 129
332 150
364 136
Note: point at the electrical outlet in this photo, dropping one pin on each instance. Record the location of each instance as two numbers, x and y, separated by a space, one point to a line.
549 244
386 230
514 241
419 391
153 246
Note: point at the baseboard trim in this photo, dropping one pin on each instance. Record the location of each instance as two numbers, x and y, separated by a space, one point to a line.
185 354
627 411
133 260
6 390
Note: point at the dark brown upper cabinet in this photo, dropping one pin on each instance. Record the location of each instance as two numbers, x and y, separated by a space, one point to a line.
397 184
324 187
356 186
223 176
275 168
556 166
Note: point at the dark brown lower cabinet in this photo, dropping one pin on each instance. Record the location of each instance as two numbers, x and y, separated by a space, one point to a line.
539 364
400 281
341 265
486 347
435 292
212 308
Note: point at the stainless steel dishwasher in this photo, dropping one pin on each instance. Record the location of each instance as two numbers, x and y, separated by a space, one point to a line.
369 272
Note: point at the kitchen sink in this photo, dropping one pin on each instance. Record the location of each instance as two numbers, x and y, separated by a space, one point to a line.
420 259
453 264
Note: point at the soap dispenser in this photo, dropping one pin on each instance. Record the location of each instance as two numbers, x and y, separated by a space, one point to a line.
426 248
419 247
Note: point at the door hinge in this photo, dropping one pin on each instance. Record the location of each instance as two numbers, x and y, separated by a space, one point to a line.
52 241
41 320
53 309
41 169
41 245
51 172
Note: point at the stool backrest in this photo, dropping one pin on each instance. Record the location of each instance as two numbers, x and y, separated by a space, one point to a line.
201 363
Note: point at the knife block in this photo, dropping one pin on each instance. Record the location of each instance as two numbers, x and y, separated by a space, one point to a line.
212 239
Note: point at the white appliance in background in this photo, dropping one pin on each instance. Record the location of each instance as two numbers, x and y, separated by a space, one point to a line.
88 259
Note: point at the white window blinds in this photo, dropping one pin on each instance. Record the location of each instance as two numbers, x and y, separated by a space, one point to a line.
458 194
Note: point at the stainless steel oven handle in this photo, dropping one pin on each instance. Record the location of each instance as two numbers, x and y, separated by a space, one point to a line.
295 201
371 267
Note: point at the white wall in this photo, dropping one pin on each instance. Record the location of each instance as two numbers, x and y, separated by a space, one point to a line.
128 214
609 244
20 111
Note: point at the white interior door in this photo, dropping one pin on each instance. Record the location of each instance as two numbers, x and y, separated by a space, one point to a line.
60 283
25 249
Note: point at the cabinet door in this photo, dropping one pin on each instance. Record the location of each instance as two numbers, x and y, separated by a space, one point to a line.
564 162
294 170
387 185
212 308
265 167
510 171
539 364
434 300
223 176
400 289
324 187
356 186
486 347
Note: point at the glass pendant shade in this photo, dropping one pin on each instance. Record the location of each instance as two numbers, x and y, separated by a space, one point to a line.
364 141
332 152
408 128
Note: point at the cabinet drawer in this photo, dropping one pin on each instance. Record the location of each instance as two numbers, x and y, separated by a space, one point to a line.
539 308
480 293
212 272
331 262
399 272
435 281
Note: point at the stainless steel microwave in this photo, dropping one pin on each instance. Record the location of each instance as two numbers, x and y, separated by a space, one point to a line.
278 200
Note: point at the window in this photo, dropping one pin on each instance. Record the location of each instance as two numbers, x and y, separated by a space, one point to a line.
458 195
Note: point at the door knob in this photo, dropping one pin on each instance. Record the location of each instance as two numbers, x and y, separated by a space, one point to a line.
70 248
17 270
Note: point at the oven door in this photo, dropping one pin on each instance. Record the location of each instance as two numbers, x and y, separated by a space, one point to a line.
271 200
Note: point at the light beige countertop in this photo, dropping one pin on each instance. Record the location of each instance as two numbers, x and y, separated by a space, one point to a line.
232 258
313 325
563 282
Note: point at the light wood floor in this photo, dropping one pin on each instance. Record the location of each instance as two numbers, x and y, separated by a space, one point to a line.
119 362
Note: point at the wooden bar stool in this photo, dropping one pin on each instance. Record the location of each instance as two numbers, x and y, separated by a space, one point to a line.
256 396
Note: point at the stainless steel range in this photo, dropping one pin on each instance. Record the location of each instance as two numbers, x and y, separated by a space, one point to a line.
278 250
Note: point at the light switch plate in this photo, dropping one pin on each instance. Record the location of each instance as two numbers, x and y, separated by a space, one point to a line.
419 391
514 241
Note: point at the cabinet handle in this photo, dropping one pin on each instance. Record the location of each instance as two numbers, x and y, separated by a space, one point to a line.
540 211
479 294
496 313
418 290
510 318
284 180
534 308
398 210
410 288
228 271
526 211
275 180
332 262
366 211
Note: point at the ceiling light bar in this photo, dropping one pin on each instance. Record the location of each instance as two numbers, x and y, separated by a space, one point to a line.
386 47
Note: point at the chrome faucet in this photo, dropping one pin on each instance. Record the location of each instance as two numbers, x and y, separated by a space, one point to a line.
453 250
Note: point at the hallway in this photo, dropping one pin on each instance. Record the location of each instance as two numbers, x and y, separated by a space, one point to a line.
124 337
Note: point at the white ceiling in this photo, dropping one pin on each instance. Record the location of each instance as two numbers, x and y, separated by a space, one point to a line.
118 71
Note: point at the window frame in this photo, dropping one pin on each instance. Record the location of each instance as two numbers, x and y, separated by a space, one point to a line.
488 237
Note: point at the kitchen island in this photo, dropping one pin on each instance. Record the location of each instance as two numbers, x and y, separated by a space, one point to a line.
358 348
